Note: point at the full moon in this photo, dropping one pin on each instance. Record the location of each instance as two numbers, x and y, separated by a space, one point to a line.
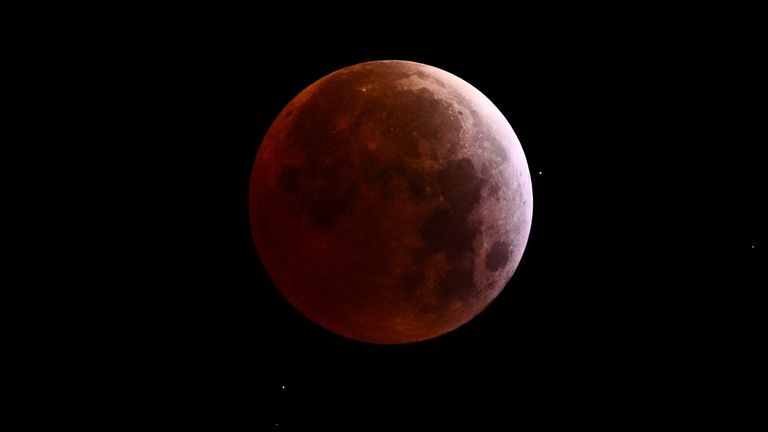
390 202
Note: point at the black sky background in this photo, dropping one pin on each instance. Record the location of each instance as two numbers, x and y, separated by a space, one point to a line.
136 300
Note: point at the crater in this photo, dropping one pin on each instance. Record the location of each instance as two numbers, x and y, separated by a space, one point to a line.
497 257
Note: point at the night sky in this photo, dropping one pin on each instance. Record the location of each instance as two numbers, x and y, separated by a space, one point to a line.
136 300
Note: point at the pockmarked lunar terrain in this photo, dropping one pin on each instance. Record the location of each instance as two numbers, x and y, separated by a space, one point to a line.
390 202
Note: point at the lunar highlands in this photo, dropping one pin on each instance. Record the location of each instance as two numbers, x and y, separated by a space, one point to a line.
390 202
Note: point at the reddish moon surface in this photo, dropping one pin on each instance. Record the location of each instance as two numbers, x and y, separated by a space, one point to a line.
390 202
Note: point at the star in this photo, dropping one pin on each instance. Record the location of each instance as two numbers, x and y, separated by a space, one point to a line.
539 172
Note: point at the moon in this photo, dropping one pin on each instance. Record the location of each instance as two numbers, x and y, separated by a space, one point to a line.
390 202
